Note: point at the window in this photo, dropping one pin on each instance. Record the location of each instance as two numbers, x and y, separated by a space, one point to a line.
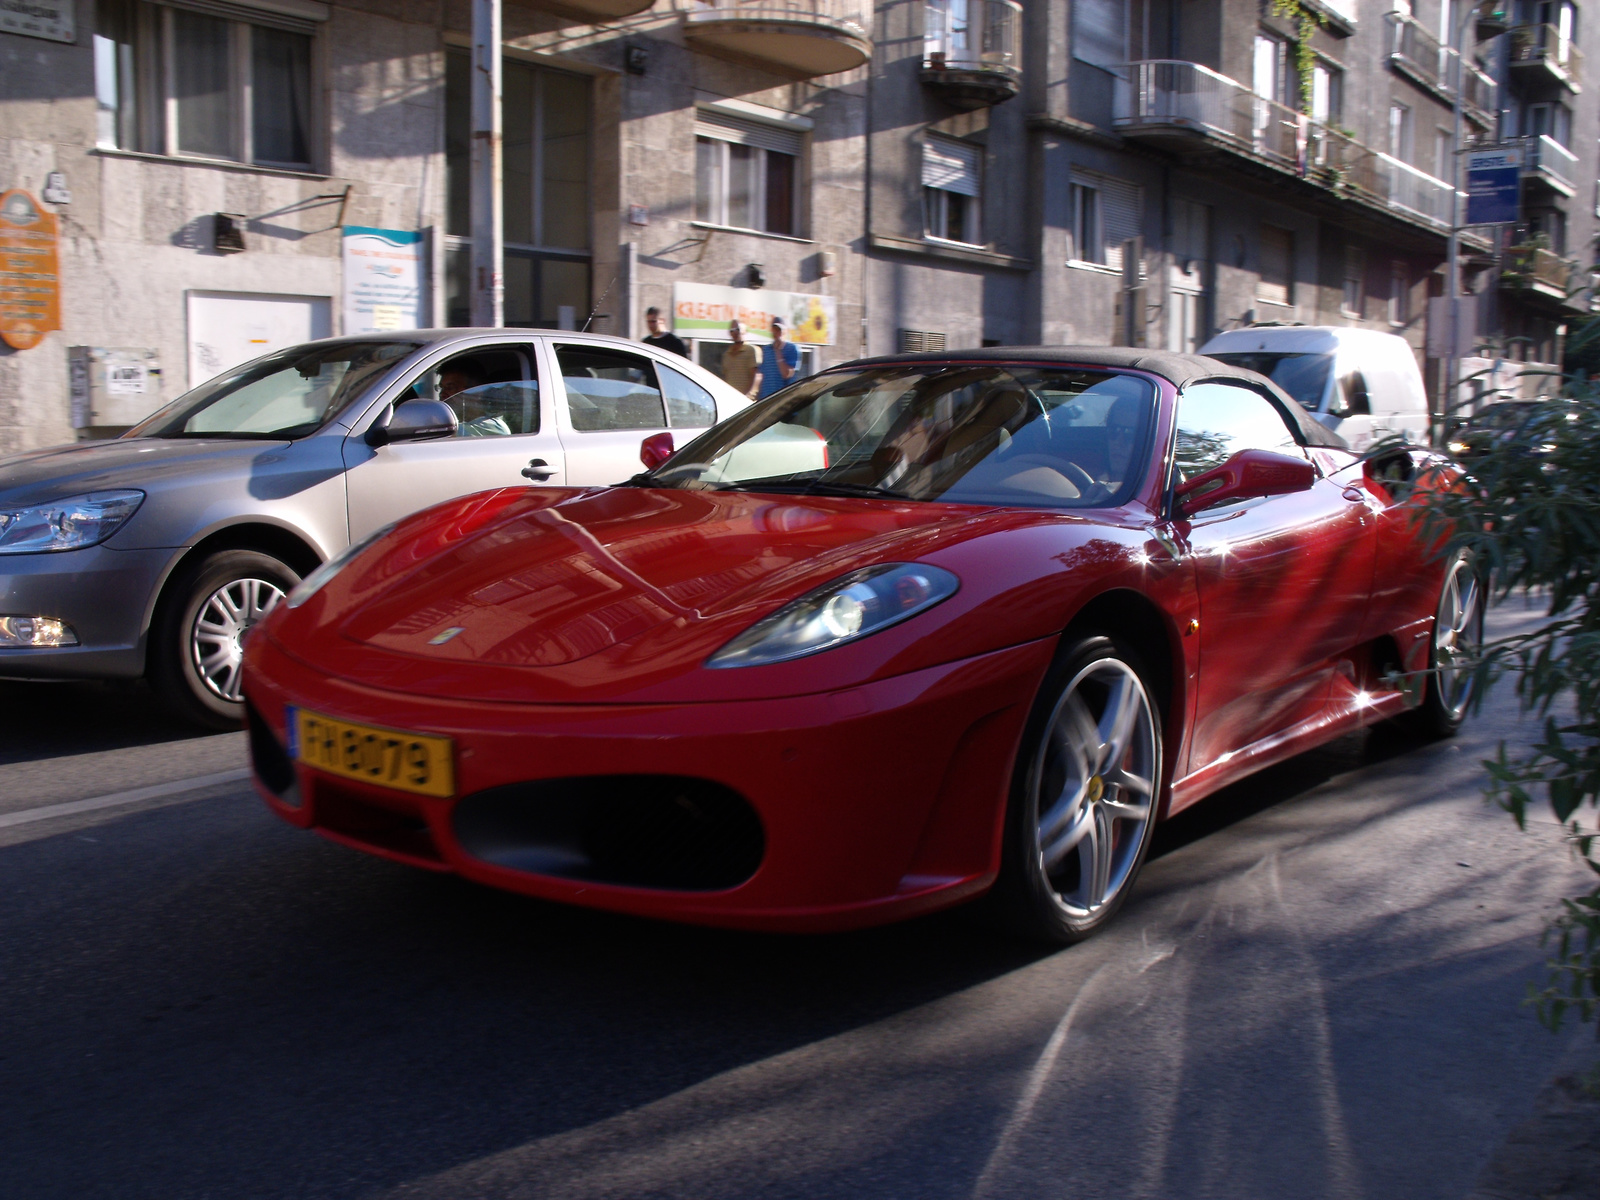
1217 420
746 174
1100 33
1276 282
493 392
1270 69
688 404
1444 155
1327 94
1087 244
1400 141
950 189
1106 212
1353 298
1399 293
610 389
544 187
194 82
1553 120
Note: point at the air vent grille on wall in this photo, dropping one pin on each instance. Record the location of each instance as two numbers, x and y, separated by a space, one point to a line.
914 341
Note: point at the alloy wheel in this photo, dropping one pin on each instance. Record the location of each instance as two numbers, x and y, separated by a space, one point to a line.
216 642
1095 778
1457 635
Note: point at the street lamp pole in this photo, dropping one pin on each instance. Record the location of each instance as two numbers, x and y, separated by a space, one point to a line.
487 283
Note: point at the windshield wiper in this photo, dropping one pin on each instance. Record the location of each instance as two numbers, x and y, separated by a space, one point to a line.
817 487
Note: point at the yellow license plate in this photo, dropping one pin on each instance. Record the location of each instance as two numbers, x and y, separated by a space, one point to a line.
410 762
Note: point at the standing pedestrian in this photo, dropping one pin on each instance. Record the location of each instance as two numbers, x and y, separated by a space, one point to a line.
661 337
741 362
780 363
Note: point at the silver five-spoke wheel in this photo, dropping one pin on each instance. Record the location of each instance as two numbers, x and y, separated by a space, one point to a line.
1096 773
216 640
1457 636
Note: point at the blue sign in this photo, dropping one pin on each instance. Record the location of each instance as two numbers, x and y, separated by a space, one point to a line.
1494 186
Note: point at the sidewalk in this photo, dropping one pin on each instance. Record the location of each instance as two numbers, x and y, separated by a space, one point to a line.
1554 1154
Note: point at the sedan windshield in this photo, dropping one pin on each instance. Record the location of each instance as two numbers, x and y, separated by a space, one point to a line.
285 395
1303 376
969 434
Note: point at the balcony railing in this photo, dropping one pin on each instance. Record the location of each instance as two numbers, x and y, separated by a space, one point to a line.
1166 98
1535 269
1547 161
1416 52
803 38
970 52
1545 47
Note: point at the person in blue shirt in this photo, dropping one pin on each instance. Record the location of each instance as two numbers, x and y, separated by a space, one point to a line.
780 365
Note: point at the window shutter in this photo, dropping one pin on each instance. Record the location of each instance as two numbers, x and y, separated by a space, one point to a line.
746 133
296 16
950 166
1100 33
1121 212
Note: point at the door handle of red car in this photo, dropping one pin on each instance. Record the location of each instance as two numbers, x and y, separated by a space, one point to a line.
1355 495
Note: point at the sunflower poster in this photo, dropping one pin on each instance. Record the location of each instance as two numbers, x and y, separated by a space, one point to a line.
703 310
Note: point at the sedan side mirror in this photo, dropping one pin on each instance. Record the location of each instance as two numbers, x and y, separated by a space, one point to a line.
655 450
413 421
1245 476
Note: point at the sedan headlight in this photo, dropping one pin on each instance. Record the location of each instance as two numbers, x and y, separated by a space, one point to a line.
69 524
850 607
314 582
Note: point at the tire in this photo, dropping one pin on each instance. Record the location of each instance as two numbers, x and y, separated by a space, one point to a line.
1457 635
1083 797
200 622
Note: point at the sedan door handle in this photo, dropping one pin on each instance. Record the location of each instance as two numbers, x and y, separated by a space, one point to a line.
538 470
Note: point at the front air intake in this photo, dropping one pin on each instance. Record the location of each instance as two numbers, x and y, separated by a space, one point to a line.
670 832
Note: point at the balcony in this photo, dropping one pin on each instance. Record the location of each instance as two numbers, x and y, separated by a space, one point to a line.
969 52
1547 163
1536 273
1542 54
597 12
1420 57
801 38
1186 107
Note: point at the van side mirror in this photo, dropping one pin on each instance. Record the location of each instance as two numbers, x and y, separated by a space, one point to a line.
1246 476
1353 400
655 450
413 421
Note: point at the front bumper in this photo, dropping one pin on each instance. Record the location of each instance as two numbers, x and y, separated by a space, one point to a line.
876 802
104 594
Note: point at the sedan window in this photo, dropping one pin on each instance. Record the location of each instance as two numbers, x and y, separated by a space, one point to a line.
687 402
285 395
610 389
490 390
1217 420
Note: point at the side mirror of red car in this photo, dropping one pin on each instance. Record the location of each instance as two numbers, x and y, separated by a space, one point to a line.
655 450
1248 474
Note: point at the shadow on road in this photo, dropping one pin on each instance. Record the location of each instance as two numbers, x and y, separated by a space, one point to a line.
46 719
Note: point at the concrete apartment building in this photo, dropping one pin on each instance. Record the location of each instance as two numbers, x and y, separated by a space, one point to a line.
914 174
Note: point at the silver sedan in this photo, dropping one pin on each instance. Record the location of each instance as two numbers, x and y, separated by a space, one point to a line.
153 553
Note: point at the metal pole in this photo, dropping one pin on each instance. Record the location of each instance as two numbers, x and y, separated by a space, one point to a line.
488 248
1452 366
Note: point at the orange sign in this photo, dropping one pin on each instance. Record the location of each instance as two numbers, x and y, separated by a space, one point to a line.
30 285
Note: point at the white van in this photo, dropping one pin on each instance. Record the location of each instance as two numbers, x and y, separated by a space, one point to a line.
1362 384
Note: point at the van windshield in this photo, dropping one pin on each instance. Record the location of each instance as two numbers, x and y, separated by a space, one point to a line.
1303 376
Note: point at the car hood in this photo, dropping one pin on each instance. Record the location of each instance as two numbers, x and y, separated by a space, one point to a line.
561 596
39 476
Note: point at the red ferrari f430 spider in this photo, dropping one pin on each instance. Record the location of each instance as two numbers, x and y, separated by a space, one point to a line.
912 630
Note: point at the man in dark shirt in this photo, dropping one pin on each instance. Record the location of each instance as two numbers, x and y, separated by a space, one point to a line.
660 337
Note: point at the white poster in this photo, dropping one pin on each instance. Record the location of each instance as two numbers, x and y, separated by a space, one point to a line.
382 280
49 19
704 310
229 328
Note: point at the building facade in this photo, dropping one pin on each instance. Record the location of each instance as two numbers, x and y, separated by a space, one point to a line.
915 174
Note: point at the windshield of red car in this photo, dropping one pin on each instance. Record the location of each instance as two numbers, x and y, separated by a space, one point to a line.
285 395
970 434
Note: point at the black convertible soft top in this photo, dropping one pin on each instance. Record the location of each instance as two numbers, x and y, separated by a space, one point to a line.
1178 369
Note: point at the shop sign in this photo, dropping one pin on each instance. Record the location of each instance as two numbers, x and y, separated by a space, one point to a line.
382 280
30 286
50 19
1494 186
704 310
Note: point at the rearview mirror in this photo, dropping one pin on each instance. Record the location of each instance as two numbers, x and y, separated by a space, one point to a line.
413 421
655 450
1246 476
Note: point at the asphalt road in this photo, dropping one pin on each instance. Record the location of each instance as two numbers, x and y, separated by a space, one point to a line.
1314 992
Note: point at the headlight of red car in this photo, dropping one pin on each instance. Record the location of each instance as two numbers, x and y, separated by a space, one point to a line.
849 607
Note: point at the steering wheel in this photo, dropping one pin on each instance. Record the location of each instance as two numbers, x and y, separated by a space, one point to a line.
1080 478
